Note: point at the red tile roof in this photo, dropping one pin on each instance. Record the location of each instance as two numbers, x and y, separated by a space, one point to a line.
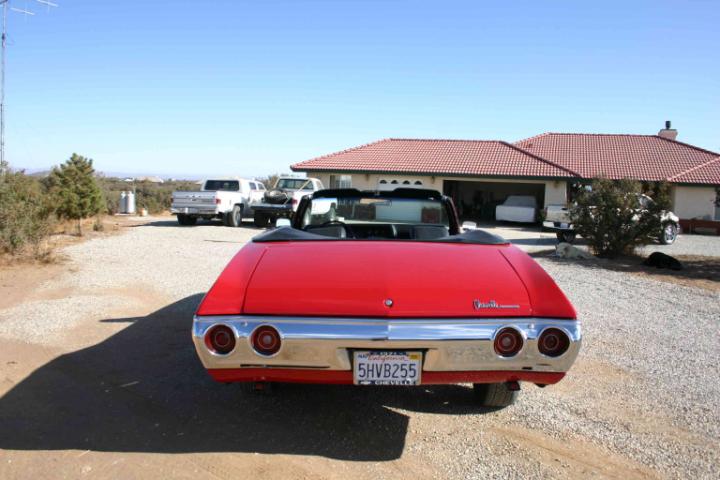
640 157
708 173
447 157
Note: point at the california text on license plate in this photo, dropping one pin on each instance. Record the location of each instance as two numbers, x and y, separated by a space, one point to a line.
387 368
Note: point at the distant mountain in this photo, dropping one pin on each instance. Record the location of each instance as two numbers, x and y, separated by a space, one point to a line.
37 172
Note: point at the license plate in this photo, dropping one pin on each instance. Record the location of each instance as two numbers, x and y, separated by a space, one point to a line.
564 225
387 368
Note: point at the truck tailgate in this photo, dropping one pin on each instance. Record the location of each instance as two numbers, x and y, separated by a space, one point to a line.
193 199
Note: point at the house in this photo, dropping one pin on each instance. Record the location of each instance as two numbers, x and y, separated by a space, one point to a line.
479 174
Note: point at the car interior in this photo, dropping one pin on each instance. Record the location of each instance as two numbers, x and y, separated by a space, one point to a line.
372 231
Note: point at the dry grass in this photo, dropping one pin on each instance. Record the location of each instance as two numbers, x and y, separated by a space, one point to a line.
64 234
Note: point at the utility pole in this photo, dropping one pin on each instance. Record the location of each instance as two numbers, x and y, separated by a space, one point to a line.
5 7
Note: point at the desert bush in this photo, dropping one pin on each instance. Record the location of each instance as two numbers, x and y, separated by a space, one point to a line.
269 180
98 225
74 191
25 214
155 197
614 218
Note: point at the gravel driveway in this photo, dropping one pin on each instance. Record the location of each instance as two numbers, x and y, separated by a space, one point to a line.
99 378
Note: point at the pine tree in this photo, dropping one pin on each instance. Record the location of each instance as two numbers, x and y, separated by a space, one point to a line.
75 190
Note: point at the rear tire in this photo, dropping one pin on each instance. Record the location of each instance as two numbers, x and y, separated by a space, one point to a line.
261 220
567 237
186 220
669 234
494 395
234 217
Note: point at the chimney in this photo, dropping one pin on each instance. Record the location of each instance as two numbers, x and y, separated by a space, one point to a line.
667 132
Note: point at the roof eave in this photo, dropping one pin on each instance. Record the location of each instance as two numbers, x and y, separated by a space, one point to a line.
426 174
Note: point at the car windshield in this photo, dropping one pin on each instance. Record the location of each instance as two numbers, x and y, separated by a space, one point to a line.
407 211
294 184
222 185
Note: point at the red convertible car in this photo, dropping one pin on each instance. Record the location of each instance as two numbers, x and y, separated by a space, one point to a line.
384 288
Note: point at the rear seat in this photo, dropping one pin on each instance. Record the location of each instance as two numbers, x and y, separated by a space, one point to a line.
336 231
429 232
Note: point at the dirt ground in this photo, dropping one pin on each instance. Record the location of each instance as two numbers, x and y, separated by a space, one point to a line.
98 379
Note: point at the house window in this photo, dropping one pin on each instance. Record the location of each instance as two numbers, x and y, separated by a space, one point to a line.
406 182
340 181
418 182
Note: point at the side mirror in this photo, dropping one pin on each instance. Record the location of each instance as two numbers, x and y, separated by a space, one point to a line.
467 226
282 222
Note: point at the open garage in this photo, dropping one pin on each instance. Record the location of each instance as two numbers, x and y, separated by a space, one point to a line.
477 200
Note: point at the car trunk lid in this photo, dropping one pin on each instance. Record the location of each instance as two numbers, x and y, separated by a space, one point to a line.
385 279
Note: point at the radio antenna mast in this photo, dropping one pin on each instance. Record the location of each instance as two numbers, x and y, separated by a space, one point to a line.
5 7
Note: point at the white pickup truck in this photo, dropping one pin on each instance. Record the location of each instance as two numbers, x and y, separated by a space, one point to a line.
229 199
282 200
557 219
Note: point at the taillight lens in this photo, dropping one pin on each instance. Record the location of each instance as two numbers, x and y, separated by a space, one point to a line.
553 342
294 201
266 340
218 201
220 339
508 342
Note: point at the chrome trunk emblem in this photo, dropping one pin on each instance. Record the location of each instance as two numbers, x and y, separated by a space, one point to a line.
490 304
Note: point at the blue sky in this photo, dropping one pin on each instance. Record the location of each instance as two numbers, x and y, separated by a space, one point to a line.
194 87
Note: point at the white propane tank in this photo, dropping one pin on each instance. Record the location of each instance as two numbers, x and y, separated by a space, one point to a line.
122 207
130 202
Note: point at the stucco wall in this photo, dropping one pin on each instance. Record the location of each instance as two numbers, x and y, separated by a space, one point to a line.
555 193
694 202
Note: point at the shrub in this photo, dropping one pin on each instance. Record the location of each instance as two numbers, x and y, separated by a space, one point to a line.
98 225
25 214
74 190
615 219
156 197
269 181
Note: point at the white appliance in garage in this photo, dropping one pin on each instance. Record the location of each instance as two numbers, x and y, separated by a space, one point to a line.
517 208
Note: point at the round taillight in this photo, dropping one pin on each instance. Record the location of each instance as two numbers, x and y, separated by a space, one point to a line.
553 342
266 340
220 339
508 342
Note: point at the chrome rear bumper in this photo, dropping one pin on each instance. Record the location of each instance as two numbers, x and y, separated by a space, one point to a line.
195 210
326 343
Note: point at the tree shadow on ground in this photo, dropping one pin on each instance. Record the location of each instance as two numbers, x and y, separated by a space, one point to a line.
698 271
144 390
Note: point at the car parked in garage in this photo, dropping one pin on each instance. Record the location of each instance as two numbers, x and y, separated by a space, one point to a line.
517 208
392 293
